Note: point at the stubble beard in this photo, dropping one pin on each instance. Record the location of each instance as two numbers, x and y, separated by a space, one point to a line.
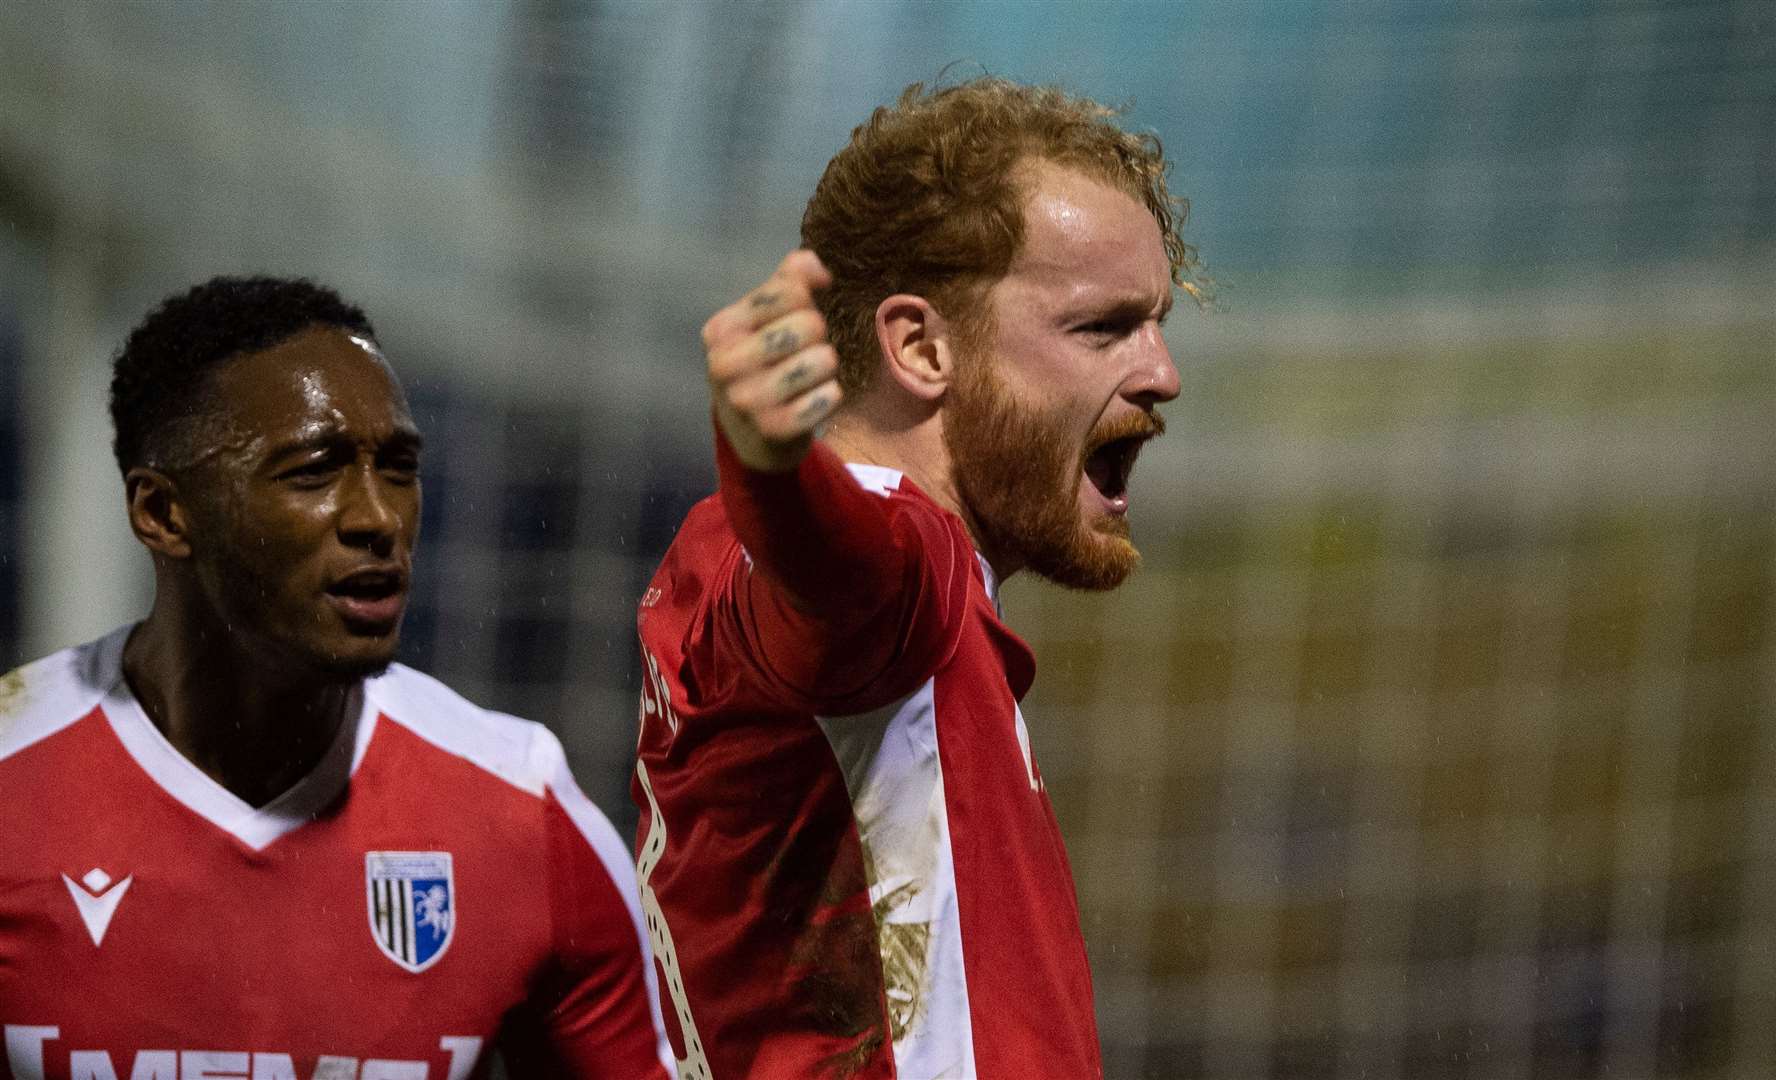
1018 474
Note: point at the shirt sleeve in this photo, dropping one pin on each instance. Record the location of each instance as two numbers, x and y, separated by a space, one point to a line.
594 1012
846 599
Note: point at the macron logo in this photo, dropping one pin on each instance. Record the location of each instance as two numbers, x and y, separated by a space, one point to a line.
97 897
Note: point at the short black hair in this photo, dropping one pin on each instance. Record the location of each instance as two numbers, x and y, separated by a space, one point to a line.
157 379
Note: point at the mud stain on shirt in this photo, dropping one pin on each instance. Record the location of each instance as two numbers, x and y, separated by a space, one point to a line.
905 947
12 697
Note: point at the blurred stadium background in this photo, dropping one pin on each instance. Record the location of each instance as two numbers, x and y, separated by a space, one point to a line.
1437 737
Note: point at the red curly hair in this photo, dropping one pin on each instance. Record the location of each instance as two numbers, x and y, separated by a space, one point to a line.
926 199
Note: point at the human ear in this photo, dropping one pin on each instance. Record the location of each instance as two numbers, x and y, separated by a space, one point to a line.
916 346
156 512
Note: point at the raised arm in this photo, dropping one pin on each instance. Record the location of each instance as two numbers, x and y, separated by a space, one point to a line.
844 600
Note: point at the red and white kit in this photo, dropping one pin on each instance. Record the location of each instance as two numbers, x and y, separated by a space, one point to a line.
848 863
437 886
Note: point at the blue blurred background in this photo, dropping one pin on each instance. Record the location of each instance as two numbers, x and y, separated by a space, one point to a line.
1435 738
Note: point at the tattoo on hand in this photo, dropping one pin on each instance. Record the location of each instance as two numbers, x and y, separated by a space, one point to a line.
815 409
780 342
762 300
795 377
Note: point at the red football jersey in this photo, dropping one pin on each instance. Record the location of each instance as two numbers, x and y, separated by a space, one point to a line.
848 863
437 886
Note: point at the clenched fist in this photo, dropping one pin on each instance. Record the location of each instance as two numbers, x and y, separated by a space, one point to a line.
772 375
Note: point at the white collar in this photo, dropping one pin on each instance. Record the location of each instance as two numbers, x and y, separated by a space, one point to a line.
256 827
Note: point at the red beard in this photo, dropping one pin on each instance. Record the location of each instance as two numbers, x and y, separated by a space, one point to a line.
1018 473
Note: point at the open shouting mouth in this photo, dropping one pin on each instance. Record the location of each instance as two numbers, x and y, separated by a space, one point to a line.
1110 455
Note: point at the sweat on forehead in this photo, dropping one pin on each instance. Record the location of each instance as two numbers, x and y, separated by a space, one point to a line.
159 377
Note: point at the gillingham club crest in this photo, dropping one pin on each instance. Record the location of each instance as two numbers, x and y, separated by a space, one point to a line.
412 898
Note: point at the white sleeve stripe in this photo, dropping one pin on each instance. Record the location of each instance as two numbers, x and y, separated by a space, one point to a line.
47 696
614 855
34 730
492 741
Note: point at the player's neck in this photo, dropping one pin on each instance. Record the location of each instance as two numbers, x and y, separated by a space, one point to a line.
254 731
918 451
915 450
